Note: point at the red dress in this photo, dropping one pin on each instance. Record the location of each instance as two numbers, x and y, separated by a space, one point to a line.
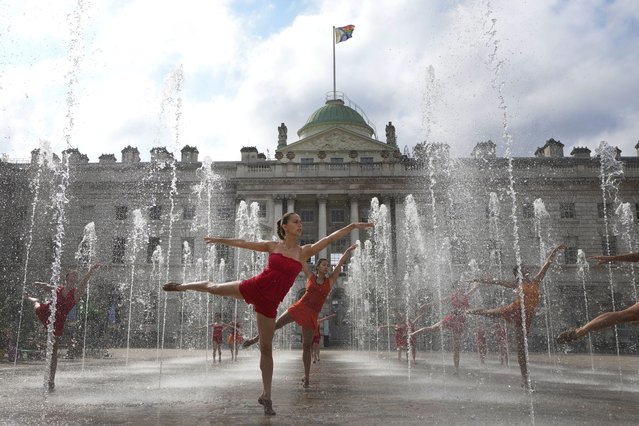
267 290
456 320
306 310
217 333
317 336
64 304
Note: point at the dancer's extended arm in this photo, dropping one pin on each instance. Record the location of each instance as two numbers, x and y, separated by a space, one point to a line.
627 257
551 256
507 284
268 246
340 263
312 249
82 286
325 318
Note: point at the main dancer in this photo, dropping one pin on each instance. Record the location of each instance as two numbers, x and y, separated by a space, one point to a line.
267 290
67 295
514 313
455 321
607 319
306 310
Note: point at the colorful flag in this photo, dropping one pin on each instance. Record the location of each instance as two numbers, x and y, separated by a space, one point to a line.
344 33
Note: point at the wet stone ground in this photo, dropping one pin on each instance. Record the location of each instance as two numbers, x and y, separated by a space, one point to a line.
355 388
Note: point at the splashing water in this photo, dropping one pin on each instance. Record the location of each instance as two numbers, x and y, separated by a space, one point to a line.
583 270
85 256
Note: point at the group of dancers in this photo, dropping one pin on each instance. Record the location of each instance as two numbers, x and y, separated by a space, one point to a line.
287 258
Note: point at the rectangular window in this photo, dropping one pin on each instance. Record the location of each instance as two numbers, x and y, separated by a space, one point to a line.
337 163
188 212
121 212
570 254
637 210
607 211
87 213
364 213
528 211
306 164
119 250
567 210
367 163
337 215
225 213
609 248
155 212
154 242
261 209
223 252
458 252
188 250
16 250
307 215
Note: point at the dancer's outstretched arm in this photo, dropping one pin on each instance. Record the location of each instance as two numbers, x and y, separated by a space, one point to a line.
325 318
507 284
45 286
312 249
551 256
340 263
82 286
627 257
268 246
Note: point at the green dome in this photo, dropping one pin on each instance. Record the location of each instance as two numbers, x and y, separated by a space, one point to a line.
334 113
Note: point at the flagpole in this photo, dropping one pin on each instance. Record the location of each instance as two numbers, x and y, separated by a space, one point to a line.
334 90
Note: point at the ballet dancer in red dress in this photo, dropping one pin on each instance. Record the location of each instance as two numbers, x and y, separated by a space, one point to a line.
266 290
67 295
306 310
530 289
455 321
607 319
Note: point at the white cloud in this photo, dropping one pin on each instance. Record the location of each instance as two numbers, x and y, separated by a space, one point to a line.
567 73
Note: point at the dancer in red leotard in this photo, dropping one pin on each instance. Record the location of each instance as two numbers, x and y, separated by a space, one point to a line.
317 337
455 321
217 337
67 296
266 290
306 310
528 294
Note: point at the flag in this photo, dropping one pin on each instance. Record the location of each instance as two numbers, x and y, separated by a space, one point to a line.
344 33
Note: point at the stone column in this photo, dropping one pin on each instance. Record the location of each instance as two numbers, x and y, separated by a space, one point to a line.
278 208
354 217
290 203
321 220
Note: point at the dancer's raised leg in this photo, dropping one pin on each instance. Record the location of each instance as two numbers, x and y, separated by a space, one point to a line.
229 289
605 320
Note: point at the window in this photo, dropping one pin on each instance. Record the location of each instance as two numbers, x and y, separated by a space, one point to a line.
494 252
607 211
261 209
337 248
637 210
155 212
306 163
528 211
154 242
335 258
16 250
119 249
367 163
121 212
364 213
337 163
567 210
609 248
188 212
225 213
337 215
570 254
223 252
307 215
87 213
187 250
458 252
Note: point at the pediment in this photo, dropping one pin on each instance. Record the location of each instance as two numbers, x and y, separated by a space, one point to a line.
336 140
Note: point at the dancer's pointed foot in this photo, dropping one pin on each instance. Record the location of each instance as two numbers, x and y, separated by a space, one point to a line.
250 341
268 406
567 335
171 287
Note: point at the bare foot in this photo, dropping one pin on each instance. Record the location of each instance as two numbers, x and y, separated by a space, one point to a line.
171 287
567 336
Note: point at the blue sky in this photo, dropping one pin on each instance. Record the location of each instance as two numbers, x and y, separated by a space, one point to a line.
567 71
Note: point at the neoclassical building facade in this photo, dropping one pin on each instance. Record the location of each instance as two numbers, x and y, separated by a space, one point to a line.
484 210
